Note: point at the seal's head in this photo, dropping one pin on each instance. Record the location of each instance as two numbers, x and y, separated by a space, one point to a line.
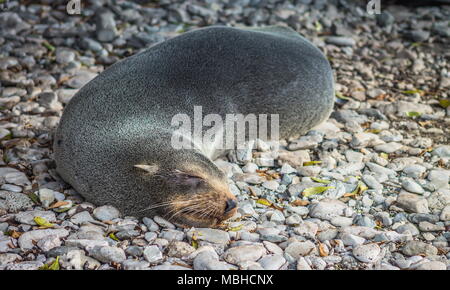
196 194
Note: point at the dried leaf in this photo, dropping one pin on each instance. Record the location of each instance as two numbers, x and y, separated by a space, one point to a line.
384 155
360 188
299 202
235 229
412 92
444 103
14 234
42 222
59 203
34 198
264 201
322 251
113 236
315 190
374 131
47 45
309 163
52 266
324 181
413 114
341 96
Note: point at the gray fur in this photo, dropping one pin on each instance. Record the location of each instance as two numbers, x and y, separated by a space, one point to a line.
122 117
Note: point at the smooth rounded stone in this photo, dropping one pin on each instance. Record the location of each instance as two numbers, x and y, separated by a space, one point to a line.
27 217
364 221
135 265
309 170
442 151
85 243
433 265
366 253
7 258
299 210
169 234
371 182
340 41
13 176
388 148
163 223
340 221
327 235
127 234
287 169
445 214
305 142
294 158
106 213
153 254
384 217
150 224
365 232
414 248
209 235
410 185
179 249
417 35
108 254
414 170
250 168
407 228
10 187
302 264
273 238
80 79
271 185
208 260
429 227
307 229
412 202
27 265
81 217
272 262
384 19
420 217
327 209
49 242
64 55
380 169
299 249
273 248
46 196
352 240
439 199
240 254
439 178
134 251
277 217
106 26
150 236
293 220
26 239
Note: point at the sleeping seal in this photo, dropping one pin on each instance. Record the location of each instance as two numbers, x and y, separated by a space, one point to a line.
113 143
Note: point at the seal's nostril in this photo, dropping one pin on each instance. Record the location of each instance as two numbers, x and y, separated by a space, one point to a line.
230 205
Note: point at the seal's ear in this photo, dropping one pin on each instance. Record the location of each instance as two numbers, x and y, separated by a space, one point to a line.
152 169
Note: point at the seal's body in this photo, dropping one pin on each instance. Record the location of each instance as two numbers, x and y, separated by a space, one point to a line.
113 144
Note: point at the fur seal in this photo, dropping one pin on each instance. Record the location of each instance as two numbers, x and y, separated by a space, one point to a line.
113 143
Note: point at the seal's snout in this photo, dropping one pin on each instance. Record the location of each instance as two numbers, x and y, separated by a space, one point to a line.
230 205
